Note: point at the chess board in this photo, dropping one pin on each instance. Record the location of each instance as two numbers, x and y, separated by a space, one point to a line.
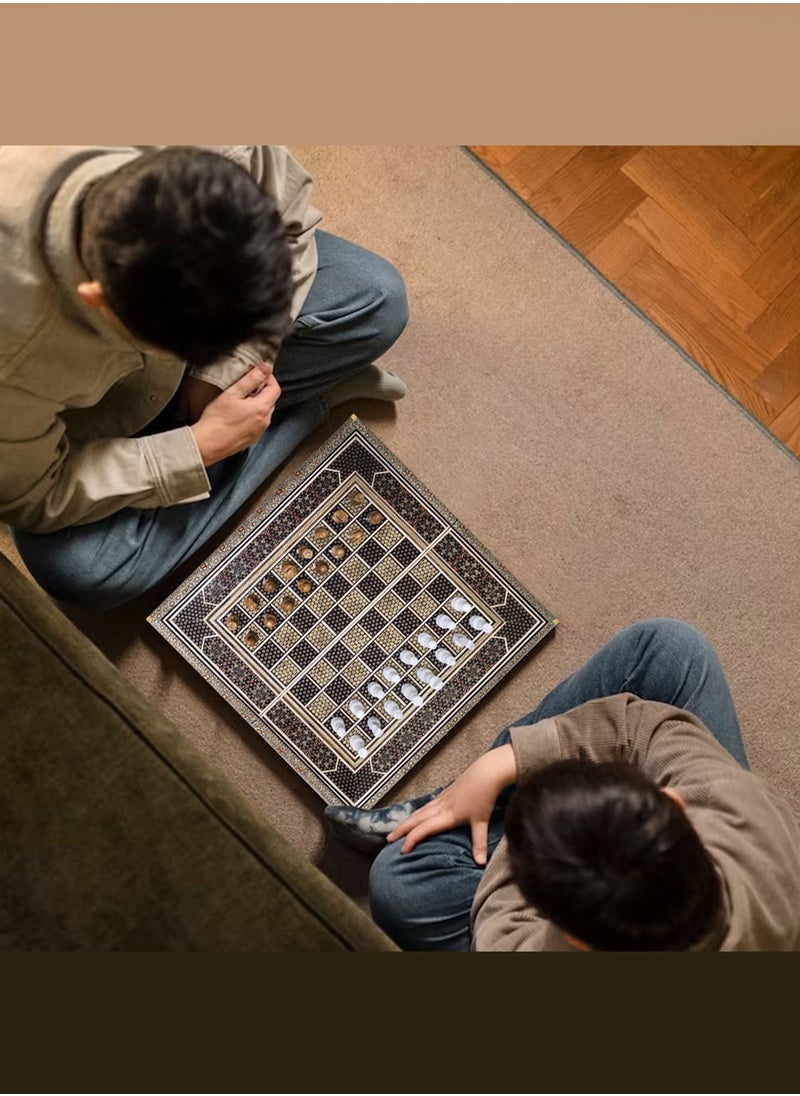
352 621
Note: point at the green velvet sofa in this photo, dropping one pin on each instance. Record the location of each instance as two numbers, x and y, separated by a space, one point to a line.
115 835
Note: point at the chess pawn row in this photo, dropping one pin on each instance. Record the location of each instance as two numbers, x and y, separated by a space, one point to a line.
339 728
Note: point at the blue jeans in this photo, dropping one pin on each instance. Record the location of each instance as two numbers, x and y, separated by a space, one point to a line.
355 310
422 899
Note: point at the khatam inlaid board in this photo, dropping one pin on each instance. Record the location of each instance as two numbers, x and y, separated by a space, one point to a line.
352 620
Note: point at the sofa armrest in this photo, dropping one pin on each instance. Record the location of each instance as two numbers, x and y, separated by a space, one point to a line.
117 835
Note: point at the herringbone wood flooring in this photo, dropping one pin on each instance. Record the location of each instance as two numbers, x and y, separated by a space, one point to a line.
704 240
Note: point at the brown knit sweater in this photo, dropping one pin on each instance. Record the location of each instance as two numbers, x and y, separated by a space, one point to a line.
752 835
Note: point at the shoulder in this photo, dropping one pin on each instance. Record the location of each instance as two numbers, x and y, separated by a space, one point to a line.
32 178
753 836
30 175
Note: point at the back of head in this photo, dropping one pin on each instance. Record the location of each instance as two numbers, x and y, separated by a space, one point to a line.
190 252
607 857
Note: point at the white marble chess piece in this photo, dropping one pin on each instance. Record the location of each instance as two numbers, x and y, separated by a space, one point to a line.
391 674
445 622
408 658
426 640
338 726
357 742
461 605
447 658
393 709
374 725
479 623
375 689
357 708
461 640
411 693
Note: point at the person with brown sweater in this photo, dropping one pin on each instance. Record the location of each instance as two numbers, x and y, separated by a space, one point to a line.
619 815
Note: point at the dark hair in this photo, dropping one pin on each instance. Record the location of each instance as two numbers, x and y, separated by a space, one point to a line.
190 252
606 856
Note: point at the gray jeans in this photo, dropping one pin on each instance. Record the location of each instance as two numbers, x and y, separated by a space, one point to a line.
354 312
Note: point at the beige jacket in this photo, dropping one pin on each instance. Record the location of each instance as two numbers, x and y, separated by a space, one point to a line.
752 836
73 390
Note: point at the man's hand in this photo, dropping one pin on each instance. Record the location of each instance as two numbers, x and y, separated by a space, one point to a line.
194 397
468 800
237 417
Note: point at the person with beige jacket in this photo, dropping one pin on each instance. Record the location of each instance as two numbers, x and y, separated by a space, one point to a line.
174 324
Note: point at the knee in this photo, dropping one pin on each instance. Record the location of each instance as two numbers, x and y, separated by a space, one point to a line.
390 902
68 574
390 301
78 589
669 633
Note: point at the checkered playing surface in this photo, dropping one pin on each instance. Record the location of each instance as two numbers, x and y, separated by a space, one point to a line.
352 621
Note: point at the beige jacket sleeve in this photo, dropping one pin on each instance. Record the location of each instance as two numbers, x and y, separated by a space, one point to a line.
276 170
48 483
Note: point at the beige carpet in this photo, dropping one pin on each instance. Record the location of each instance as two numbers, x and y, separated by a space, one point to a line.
600 467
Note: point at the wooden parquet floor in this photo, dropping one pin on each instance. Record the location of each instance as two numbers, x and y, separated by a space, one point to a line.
704 240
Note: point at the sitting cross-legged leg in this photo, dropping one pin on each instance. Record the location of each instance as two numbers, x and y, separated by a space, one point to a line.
355 310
